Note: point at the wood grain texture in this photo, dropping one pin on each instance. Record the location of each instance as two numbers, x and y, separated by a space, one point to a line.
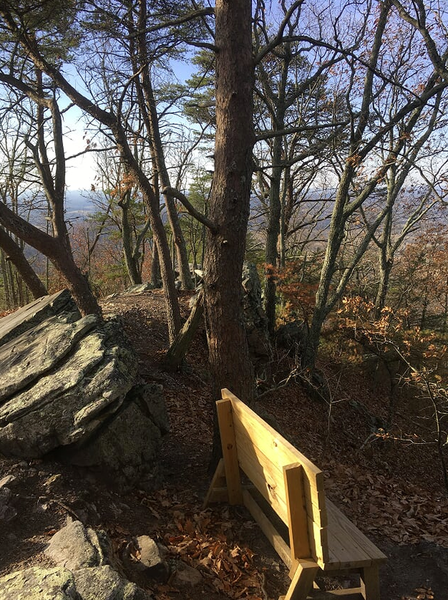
229 451
297 516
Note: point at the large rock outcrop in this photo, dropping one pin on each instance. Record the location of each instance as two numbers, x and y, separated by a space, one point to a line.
69 385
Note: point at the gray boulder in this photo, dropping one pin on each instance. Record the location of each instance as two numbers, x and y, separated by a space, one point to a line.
39 350
85 383
77 547
59 583
103 583
39 584
127 445
32 314
87 554
145 555
70 386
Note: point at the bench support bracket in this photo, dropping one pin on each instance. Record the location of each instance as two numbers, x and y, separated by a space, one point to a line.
370 583
302 581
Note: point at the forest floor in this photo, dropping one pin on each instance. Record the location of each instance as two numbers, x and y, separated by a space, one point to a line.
392 489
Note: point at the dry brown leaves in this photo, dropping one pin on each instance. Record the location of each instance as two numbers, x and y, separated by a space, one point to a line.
204 539
421 593
380 506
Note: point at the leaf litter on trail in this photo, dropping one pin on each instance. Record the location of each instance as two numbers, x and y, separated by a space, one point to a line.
380 506
205 540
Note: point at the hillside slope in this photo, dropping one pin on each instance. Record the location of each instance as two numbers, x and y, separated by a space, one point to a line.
391 489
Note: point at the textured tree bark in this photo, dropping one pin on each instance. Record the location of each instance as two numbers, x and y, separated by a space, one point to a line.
229 204
77 283
6 283
279 106
17 257
156 279
181 345
131 258
385 264
272 235
58 250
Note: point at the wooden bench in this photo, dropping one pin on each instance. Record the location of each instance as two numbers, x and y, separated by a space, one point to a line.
321 538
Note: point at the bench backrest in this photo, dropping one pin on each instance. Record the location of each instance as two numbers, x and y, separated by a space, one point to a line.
288 481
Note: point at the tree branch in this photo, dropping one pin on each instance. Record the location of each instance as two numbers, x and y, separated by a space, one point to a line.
279 37
301 129
202 12
28 232
169 191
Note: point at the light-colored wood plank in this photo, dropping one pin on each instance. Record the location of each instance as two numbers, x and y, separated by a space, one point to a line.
266 477
261 456
269 481
268 443
342 556
357 591
347 544
218 482
318 537
276 540
370 582
344 522
297 516
352 593
317 527
285 448
229 451
265 484
302 582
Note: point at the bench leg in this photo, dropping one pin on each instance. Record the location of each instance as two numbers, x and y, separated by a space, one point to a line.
302 581
218 482
370 583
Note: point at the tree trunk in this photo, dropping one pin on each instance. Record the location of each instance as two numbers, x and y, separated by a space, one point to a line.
313 338
77 283
273 234
275 204
114 123
6 286
151 120
17 257
166 271
386 265
158 230
58 250
181 345
130 258
159 159
229 204
156 281
334 242
12 285
425 304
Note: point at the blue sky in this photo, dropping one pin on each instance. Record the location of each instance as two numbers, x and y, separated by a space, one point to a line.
81 171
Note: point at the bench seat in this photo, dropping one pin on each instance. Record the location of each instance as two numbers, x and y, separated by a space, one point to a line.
348 547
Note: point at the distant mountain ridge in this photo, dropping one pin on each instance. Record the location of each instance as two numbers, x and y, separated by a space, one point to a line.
77 204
